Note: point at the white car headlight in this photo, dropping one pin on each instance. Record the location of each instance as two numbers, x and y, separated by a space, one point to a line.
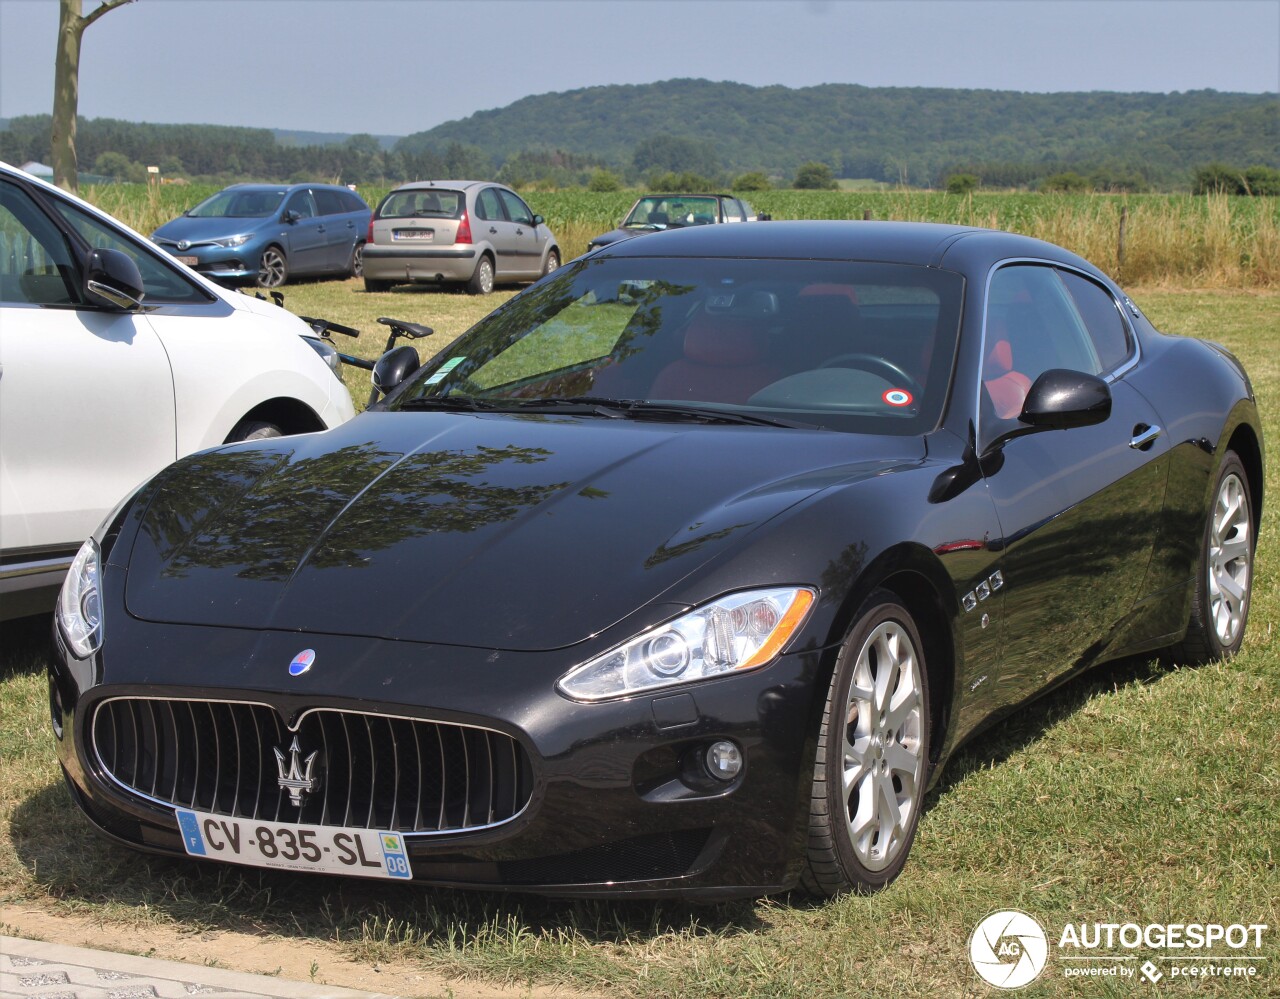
739 632
328 353
80 602
232 241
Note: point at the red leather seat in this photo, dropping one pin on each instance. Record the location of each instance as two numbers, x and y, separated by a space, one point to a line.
1006 388
724 361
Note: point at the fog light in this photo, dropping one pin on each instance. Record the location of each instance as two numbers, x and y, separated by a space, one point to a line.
724 760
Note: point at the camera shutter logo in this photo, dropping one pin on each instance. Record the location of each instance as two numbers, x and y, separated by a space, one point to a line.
1009 949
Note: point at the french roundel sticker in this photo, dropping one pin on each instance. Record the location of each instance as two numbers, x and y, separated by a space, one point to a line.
898 397
302 662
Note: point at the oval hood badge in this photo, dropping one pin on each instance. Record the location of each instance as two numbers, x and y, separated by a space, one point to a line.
302 662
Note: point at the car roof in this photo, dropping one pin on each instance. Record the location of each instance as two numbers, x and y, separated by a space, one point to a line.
659 194
427 185
922 243
283 187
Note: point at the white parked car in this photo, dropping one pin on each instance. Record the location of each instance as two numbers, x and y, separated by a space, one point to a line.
115 360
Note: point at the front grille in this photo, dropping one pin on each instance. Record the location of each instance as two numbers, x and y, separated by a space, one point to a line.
370 771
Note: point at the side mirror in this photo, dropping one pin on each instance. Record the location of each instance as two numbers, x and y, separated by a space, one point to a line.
539 220
1059 399
291 216
112 278
393 367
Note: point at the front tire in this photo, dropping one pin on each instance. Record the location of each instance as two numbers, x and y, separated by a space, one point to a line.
873 750
1224 571
253 430
273 268
481 282
553 263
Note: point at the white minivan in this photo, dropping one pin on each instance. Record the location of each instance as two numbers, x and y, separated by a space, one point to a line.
116 360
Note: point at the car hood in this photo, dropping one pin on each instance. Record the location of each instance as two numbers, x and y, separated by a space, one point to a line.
483 530
195 230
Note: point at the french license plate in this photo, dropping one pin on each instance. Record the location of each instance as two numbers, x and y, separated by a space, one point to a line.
423 234
365 853
189 261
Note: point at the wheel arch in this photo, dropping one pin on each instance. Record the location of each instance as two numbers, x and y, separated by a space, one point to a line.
1244 442
290 415
915 577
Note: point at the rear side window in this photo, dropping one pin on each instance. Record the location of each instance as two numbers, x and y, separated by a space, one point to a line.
488 206
1101 317
432 204
330 202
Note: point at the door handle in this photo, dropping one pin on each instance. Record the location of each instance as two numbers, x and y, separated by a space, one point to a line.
1144 436
492 229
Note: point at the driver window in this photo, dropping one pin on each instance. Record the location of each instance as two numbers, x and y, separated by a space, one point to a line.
303 203
36 265
517 210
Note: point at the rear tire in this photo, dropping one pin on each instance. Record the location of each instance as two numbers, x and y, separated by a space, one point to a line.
371 285
356 268
1224 571
872 764
253 430
481 282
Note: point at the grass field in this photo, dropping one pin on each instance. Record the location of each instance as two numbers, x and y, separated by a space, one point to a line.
1137 793
1170 240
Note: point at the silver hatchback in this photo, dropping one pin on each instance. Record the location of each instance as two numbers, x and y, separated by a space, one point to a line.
463 231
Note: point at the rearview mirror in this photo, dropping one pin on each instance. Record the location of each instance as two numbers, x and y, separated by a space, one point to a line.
1060 399
112 278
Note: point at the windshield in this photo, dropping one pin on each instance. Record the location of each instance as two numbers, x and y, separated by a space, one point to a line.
240 204
665 211
859 347
431 203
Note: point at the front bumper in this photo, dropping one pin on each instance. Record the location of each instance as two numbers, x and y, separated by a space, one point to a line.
227 265
618 805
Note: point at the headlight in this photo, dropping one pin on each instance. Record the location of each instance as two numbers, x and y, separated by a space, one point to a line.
232 241
80 602
738 632
327 353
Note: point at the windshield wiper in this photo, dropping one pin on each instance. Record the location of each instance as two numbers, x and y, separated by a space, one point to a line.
642 409
449 403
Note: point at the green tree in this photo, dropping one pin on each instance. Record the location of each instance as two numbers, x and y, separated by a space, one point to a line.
604 181
962 183
1068 182
676 154
753 181
814 176
115 165
66 86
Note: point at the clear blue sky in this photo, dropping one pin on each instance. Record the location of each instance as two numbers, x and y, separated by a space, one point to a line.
399 66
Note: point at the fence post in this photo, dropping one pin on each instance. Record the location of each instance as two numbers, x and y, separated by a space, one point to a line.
1124 224
866 215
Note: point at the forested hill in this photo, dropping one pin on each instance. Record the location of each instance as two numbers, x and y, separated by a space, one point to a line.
889 133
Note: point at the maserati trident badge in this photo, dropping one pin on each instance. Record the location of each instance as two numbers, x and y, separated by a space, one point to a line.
302 662
297 779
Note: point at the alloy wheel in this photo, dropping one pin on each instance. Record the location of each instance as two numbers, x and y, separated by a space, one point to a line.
1230 557
882 746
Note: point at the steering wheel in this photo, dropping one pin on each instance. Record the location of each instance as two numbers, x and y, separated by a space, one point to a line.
877 366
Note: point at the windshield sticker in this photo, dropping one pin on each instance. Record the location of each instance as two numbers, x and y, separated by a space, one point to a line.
444 370
898 397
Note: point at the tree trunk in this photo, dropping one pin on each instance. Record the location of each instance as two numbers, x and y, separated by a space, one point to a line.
66 95
66 87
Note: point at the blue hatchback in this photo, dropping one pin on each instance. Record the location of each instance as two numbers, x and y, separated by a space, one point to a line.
263 233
